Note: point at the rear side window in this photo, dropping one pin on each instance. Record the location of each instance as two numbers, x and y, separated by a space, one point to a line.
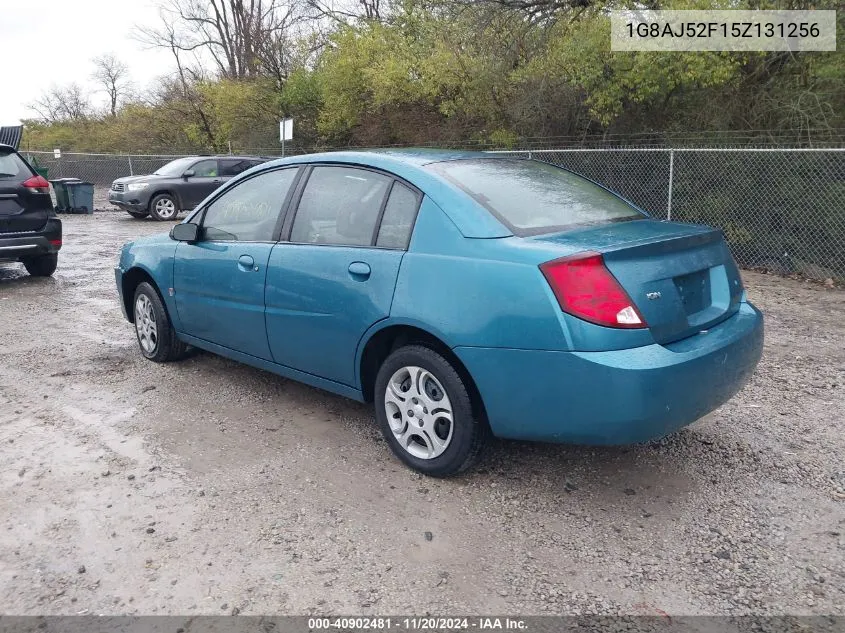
232 167
340 205
12 167
531 197
398 218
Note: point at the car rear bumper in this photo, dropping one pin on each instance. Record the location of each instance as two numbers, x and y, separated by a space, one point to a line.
14 246
615 397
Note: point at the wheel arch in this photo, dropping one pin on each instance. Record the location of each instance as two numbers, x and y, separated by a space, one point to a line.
130 281
381 341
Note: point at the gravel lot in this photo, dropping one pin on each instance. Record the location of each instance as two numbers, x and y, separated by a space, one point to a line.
209 487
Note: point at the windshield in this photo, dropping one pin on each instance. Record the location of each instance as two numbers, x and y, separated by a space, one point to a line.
532 197
176 167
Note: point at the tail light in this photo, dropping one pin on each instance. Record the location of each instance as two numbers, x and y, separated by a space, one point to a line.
56 243
585 288
37 183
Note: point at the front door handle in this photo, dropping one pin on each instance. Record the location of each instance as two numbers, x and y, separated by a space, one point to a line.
359 271
246 263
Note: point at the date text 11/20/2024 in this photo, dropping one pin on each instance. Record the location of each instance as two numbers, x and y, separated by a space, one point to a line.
416 624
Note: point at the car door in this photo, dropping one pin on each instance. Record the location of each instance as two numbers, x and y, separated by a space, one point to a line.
219 280
199 182
334 276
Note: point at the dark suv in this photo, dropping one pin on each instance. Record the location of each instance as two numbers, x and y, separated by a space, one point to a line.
30 232
178 186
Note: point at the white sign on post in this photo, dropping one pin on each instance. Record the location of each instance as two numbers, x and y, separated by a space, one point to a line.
286 130
57 153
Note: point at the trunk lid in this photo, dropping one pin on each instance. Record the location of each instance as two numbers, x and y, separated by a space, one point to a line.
681 277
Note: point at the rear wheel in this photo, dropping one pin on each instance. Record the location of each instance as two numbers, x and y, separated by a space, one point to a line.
156 336
425 412
41 266
138 214
163 207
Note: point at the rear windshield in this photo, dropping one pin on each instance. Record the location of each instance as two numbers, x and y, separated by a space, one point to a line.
12 166
531 197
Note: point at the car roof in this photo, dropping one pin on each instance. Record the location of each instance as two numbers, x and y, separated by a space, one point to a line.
417 156
425 155
231 156
409 158
7 147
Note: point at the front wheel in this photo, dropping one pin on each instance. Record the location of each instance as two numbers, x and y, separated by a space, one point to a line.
41 266
163 207
425 413
156 336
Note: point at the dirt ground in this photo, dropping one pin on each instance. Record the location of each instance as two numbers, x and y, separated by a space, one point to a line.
208 487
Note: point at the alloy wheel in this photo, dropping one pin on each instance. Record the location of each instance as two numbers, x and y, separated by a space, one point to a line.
145 324
165 208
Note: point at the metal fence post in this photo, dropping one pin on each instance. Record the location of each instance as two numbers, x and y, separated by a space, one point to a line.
671 179
129 156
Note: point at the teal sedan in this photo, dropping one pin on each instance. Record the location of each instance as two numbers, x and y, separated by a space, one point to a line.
463 294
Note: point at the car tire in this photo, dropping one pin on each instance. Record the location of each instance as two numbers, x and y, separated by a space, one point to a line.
139 215
41 266
410 385
164 208
157 339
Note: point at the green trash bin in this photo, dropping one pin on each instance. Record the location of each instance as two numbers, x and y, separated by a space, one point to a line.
80 196
60 187
44 172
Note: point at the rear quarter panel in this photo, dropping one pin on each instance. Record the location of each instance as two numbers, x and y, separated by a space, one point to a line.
474 292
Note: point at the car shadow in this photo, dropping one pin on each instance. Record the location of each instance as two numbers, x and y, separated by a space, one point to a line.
671 468
13 274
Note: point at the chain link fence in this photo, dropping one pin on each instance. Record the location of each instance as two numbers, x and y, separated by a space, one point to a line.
780 209
99 169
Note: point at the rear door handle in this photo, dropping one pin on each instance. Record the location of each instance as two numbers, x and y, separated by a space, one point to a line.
246 263
359 271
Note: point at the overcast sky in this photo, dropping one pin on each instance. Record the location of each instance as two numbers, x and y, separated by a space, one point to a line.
53 41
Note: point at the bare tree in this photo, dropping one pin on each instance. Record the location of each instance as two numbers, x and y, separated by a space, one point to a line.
181 95
112 75
347 10
63 103
547 11
243 38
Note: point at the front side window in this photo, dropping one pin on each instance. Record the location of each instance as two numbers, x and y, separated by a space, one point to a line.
340 205
249 211
533 197
205 169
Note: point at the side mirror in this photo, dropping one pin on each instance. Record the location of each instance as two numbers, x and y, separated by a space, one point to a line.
185 232
188 174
